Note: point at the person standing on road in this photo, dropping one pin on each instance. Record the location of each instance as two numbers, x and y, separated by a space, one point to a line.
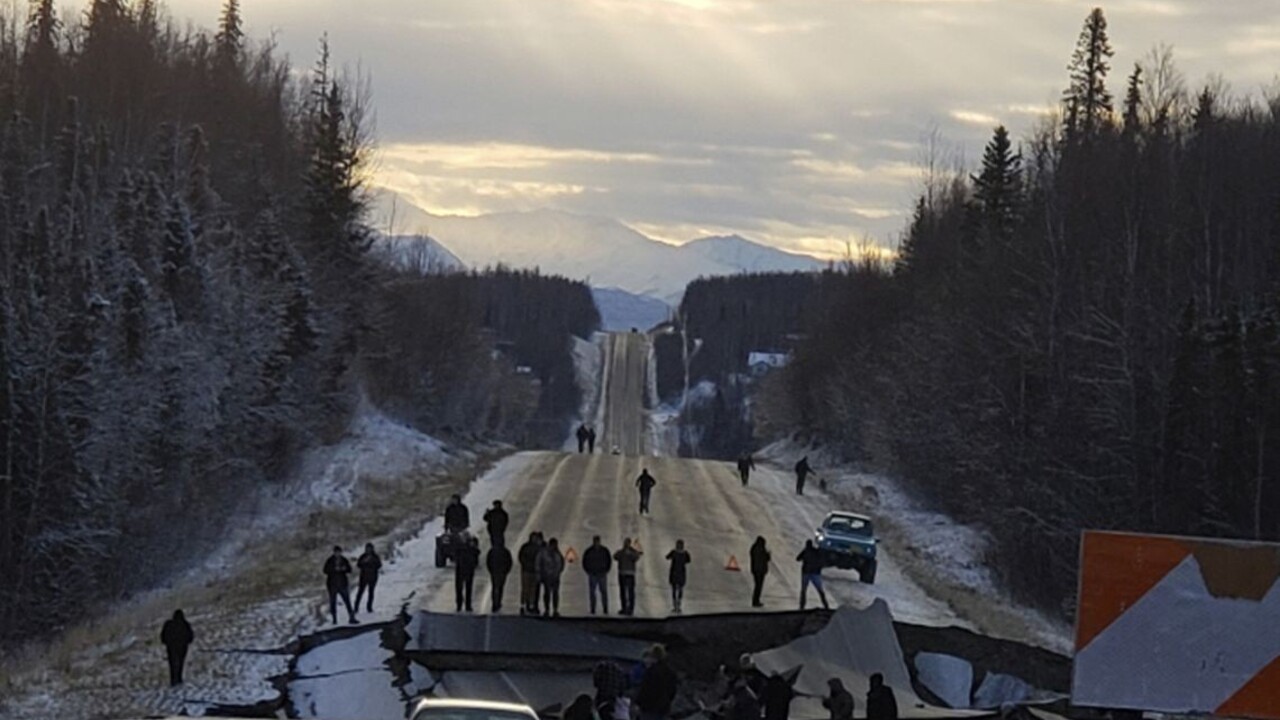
679 574
658 686
498 562
881 705
464 578
528 557
811 563
456 515
746 464
550 567
628 557
369 566
591 440
803 471
839 701
776 698
496 520
645 482
176 636
582 438
597 562
760 558
336 570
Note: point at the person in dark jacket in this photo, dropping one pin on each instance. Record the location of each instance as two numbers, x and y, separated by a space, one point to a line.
176 636
596 563
746 464
456 516
464 578
627 558
760 558
679 575
776 698
369 566
803 471
496 520
582 438
550 568
645 483
610 683
658 686
881 704
528 557
811 564
839 701
591 440
498 562
336 570
580 709
743 704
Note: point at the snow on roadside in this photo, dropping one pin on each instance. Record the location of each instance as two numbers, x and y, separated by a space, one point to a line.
242 613
588 365
947 558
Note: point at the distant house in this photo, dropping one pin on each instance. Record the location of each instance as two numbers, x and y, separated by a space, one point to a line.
760 363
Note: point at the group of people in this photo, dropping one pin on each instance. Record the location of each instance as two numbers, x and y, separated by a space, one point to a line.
586 439
648 691
337 579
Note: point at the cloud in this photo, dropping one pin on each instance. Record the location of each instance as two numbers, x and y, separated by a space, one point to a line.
974 118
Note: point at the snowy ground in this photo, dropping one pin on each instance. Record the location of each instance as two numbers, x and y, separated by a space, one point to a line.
246 605
588 362
944 559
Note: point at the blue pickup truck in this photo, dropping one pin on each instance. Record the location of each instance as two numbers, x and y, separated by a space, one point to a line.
848 541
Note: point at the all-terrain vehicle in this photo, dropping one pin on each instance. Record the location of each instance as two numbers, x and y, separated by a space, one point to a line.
848 542
447 544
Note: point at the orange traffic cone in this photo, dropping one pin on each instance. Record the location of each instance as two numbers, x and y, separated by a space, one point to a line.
732 565
571 555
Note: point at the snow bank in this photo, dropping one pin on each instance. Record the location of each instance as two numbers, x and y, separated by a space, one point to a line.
588 364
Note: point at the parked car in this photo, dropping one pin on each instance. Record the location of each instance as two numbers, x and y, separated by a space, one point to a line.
848 541
458 709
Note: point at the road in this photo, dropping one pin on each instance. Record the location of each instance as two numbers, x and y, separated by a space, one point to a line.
573 497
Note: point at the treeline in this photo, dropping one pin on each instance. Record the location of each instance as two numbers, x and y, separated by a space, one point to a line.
1084 334
482 353
181 302
724 320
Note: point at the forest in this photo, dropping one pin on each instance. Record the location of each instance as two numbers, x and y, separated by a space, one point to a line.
1085 333
189 299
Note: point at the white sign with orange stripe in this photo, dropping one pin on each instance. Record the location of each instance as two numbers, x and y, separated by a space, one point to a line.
1179 625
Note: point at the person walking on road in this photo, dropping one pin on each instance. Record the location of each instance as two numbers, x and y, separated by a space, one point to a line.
176 636
464 578
839 702
679 575
336 570
498 562
746 464
550 568
496 520
597 562
803 471
811 563
776 698
645 482
881 705
658 686
582 438
760 558
456 515
369 566
528 556
591 440
627 558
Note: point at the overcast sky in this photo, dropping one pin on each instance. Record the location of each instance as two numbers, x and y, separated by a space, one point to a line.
795 122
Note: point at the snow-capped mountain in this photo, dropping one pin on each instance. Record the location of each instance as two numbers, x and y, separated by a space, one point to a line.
420 252
601 251
744 255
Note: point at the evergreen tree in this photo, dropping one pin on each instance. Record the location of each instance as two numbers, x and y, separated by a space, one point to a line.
998 188
1087 100
1133 103
229 41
